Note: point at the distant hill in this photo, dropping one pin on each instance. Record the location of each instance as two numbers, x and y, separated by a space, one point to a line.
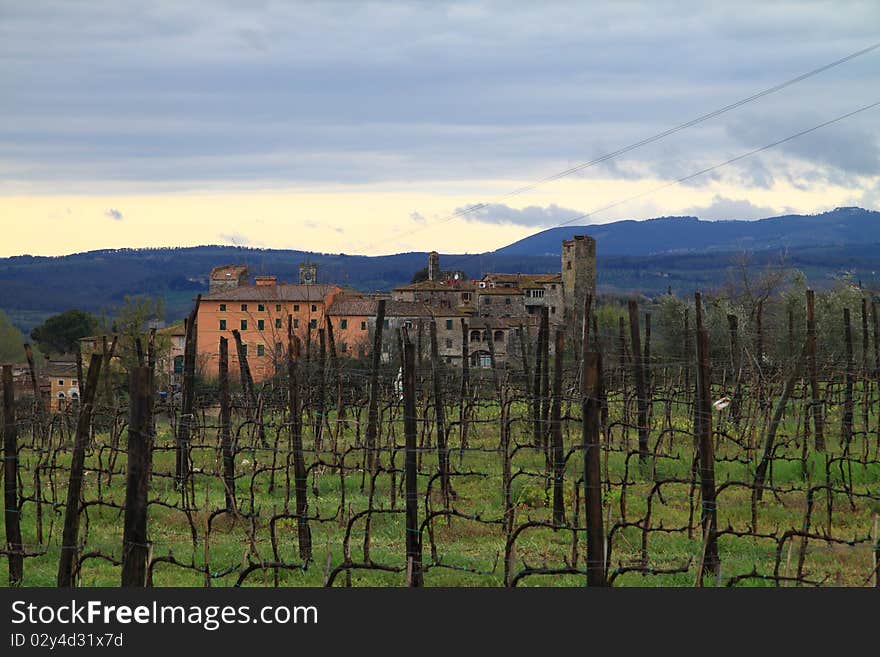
648 256
35 287
666 235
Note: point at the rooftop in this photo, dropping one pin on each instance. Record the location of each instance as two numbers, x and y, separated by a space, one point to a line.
282 292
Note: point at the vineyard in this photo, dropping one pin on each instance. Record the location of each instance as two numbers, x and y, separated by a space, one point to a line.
597 458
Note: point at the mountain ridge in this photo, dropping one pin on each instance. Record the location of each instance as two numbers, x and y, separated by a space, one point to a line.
662 235
649 256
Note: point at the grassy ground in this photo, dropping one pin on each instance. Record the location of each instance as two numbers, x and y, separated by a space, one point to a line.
471 552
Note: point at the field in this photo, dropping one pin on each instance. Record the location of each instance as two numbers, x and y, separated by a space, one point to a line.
816 523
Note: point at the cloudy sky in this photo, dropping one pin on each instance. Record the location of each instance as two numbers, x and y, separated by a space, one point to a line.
372 127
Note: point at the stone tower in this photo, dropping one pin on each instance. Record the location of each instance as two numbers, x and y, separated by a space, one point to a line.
433 266
578 277
227 277
308 273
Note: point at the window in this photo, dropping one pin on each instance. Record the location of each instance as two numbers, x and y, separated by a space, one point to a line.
408 324
499 336
278 322
386 324
261 324
244 307
61 382
60 395
465 296
448 324
536 294
363 326
261 307
313 323
343 324
553 287
553 312
261 350
222 307
244 325
222 324
277 307
279 349
178 364
296 307
506 301
487 300
475 336
448 343
314 308
568 265
296 323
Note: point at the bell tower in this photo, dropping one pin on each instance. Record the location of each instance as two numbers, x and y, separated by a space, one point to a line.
308 273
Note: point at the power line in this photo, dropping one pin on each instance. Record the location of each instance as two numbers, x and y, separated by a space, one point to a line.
695 174
643 142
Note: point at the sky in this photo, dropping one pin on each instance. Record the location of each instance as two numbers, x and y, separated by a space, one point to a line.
372 128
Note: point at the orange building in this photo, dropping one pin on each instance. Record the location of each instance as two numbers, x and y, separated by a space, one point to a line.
61 384
259 313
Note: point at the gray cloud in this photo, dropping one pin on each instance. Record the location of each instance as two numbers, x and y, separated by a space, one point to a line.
165 94
729 208
113 213
850 147
533 215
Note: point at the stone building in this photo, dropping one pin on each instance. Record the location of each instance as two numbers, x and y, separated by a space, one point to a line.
467 312
227 277
354 324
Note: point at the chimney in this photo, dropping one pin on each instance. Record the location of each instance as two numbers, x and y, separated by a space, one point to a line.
265 280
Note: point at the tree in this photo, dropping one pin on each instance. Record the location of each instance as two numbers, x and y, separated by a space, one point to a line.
60 333
11 341
133 321
420 275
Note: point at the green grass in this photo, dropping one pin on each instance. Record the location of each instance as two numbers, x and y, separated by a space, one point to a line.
471 552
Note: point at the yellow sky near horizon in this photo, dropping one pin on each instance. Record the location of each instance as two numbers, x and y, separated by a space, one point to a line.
355 219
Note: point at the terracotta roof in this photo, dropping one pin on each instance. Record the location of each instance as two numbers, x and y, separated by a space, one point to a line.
177 328
426 285
524 280
549 278
353 306
283 292
60 368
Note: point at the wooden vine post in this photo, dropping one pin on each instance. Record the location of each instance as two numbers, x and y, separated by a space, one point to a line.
135 548
12 509
70 536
